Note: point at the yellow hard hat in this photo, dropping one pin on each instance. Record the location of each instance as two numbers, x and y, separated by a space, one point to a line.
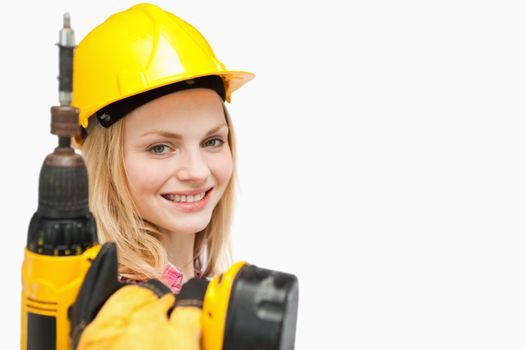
140 50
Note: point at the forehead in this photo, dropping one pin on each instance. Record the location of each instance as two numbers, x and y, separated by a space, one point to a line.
184 111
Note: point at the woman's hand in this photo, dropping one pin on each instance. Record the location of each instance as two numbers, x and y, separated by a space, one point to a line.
136 318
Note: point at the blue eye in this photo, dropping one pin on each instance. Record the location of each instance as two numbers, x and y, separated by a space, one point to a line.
211 143
158 149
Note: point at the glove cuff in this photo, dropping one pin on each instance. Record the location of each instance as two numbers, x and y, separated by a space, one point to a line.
156 286
192 293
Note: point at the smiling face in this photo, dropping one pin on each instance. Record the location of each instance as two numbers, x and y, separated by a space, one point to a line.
177 159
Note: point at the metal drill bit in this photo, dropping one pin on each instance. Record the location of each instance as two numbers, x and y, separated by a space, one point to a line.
66 44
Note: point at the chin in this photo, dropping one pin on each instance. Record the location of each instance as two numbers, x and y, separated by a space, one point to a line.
189 228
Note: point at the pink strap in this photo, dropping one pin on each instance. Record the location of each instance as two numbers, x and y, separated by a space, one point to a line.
173 278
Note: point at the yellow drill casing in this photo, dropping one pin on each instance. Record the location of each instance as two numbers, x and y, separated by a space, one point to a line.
50 285
215 307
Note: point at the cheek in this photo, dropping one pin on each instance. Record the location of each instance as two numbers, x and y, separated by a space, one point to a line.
222 168
142 176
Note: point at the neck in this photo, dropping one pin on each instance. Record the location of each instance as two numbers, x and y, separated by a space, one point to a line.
180 252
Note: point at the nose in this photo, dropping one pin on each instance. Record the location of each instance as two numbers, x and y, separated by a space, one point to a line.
193 167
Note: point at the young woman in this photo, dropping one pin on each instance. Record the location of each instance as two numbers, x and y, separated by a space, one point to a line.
158 143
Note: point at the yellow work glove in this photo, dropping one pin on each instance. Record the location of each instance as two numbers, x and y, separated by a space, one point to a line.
108 314
136 318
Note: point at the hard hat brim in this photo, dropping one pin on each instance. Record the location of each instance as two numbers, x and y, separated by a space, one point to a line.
233 80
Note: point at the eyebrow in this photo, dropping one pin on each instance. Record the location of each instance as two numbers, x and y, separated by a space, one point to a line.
177 136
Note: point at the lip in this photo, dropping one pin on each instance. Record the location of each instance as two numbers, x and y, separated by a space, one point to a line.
190 193
194 206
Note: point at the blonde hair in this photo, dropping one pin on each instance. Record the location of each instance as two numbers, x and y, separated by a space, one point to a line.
141 253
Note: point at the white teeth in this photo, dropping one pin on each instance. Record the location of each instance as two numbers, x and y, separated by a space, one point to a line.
184 198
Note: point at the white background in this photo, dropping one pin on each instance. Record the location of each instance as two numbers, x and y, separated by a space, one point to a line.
381 160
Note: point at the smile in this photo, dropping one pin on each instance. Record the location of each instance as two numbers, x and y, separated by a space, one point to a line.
183 198
189 203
